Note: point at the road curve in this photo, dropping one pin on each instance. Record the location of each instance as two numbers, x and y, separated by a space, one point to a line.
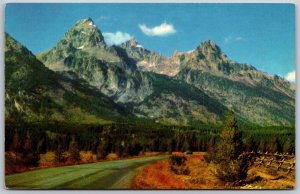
116 174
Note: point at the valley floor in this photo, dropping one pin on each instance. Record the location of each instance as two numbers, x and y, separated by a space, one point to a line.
152 172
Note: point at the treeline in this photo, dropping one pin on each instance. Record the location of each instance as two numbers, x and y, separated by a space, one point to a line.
29 140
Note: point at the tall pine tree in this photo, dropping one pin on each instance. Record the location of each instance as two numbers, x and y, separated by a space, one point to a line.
74 150
102 149
250 146
274 145
230 161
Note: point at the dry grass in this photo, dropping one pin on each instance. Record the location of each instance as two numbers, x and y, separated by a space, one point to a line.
159 176
269 179
201 176
150 154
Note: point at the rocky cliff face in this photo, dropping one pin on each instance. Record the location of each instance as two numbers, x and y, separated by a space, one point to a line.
83 51
33 93
253 95
147 60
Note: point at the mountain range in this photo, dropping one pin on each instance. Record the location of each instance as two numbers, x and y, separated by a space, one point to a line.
82 79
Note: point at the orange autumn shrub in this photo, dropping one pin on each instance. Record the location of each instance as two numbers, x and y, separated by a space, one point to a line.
87 156
112 156
48 157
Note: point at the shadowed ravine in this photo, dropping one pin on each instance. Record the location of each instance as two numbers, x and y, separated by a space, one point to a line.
102 175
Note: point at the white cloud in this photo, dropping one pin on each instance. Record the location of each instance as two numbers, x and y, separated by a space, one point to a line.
163 29
291 76
103 17
229 39
239 38
116 38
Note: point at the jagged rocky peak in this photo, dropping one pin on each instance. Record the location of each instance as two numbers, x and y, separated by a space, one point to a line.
88 21
133 43
84 34
209 47
210 51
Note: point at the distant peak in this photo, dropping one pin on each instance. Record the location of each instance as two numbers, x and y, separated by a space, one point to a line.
209 46
87 21
85 34
133 42
209 43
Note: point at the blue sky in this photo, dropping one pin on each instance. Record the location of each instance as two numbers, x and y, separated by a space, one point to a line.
259 34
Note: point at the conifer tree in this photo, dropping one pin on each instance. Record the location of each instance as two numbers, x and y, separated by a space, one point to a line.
16 145
230 145
31 158
288 146
102 149
59 157
250 146
210 154
119 148
170 146
126 150
186 144
230 161
28 143
274 145
261 146
74 150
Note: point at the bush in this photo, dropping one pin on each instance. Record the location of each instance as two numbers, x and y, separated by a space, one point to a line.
48 157
112 156
178 164
31 159
177 160
86 156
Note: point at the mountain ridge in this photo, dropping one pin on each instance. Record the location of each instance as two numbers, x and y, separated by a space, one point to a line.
151 85
125 84
207 60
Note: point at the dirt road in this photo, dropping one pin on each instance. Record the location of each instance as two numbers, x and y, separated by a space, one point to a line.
102 175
